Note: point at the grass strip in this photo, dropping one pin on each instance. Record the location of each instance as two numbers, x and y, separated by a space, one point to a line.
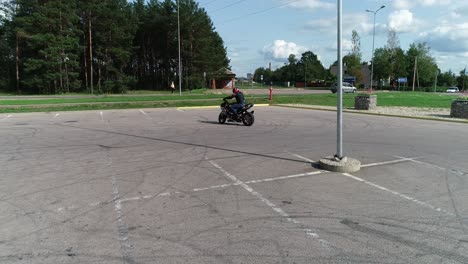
403 99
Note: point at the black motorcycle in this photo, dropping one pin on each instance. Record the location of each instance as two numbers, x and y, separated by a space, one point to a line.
243 115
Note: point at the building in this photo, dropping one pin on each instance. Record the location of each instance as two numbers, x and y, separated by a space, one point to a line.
223 78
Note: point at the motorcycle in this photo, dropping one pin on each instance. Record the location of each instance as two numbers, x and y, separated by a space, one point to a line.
242 115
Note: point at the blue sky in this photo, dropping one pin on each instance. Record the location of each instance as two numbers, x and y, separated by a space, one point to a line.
257 32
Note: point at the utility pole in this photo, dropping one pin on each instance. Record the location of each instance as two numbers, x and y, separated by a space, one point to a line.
414 71
90 54
178 39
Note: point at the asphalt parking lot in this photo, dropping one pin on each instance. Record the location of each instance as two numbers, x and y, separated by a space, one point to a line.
174 186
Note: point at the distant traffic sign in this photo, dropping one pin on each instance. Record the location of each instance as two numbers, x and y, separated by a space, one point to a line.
349 79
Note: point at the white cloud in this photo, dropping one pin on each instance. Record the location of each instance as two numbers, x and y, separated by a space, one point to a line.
408 4
460 12
435 2
311 4
402 4
325 26
346 46
280 50
355 21
448 37
403 21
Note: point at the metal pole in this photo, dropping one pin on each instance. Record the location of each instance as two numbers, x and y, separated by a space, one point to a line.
373 43
178 38
372 60
339 151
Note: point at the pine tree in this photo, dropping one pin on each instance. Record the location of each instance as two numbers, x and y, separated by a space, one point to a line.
51 49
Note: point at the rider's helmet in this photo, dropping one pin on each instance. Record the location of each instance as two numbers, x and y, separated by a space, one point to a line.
235 90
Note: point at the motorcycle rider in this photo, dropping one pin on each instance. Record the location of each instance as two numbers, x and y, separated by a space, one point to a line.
240 101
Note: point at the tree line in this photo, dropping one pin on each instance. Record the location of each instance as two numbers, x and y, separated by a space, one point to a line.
61 46
391 62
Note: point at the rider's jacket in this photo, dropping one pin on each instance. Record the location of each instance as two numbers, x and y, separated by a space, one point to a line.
239 97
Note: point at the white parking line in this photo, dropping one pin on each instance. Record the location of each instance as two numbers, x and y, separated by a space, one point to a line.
259 181
146 114
366 165
273 206
125 244
420 162
6 117
387 162
301 157
102 115
398 194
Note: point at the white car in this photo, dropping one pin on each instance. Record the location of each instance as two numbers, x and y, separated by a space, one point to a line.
347 88
452 90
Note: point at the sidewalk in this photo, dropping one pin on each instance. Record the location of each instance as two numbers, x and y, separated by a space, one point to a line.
440 114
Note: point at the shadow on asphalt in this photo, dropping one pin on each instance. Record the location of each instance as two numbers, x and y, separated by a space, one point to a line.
217 123
189 144
443 116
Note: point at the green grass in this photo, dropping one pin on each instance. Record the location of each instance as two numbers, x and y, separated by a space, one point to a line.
105 99
199 98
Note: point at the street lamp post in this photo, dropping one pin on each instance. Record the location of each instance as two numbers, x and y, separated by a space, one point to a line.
340 163
373 41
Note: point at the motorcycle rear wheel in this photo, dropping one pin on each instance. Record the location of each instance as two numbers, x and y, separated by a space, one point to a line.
248 119
222 117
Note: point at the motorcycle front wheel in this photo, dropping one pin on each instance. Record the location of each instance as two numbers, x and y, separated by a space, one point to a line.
222 117
248 119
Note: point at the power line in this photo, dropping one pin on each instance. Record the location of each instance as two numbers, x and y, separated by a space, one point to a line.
257 12
207 3
224 7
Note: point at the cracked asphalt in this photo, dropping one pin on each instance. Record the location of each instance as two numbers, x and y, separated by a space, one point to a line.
174 186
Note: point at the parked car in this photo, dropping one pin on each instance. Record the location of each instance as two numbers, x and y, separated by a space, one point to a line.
347 88
452 90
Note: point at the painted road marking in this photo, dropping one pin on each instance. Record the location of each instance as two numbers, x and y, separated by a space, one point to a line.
273 206
146 114
260 181
301 157
221 186
421 162
126 246
398 194
102 115
5 118
402 159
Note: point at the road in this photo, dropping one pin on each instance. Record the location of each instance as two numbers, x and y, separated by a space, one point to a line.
174 186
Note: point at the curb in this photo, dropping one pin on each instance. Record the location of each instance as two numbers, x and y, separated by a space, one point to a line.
210 106
375 114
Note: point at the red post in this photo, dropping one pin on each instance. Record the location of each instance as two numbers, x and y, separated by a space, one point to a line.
271 93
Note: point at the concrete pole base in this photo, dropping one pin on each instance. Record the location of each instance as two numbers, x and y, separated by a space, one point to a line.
340 165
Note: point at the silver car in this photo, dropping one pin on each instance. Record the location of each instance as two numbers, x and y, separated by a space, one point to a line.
347 88
452 90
